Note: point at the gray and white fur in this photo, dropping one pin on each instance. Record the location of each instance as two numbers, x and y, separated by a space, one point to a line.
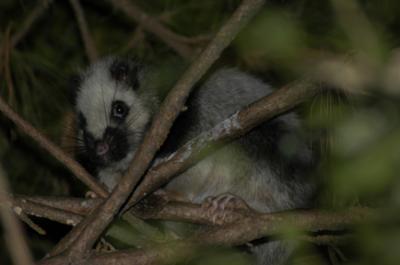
268 168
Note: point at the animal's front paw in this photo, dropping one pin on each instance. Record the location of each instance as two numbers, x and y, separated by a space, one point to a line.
218 206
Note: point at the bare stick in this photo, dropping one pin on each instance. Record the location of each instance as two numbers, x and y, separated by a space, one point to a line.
156 135
154 26
78 206
43 211
238 124
12 228
36 13
90 47
28 221
54 150
7 65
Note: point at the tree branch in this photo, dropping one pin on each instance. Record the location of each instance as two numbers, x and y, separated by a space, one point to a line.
74 205
15 238
152 25
44 211
36 13
90 47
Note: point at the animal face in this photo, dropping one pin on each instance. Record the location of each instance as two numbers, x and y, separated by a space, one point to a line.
111 112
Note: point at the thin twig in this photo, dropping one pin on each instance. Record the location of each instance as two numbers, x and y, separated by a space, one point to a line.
25 218
157 133
152 25
79 206
36 13
7 50
43 211
15 238
135 39
90 47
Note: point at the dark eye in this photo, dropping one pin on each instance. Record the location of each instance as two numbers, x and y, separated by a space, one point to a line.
119 110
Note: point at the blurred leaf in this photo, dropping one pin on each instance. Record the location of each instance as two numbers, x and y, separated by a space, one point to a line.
273 35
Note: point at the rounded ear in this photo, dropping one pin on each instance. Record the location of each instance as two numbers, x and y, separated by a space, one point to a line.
119 70
125 70
74 84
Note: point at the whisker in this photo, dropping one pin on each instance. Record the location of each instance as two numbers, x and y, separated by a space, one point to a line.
115 91
73 137
104 107
132 120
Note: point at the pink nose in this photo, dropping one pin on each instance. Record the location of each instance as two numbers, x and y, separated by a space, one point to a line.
102 148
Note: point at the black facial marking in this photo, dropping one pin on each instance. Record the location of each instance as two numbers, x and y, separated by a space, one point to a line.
89 140
117 141
125 71
81 121
74 84
119 70
119 111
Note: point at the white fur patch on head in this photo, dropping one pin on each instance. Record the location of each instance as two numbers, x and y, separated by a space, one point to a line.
96 94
